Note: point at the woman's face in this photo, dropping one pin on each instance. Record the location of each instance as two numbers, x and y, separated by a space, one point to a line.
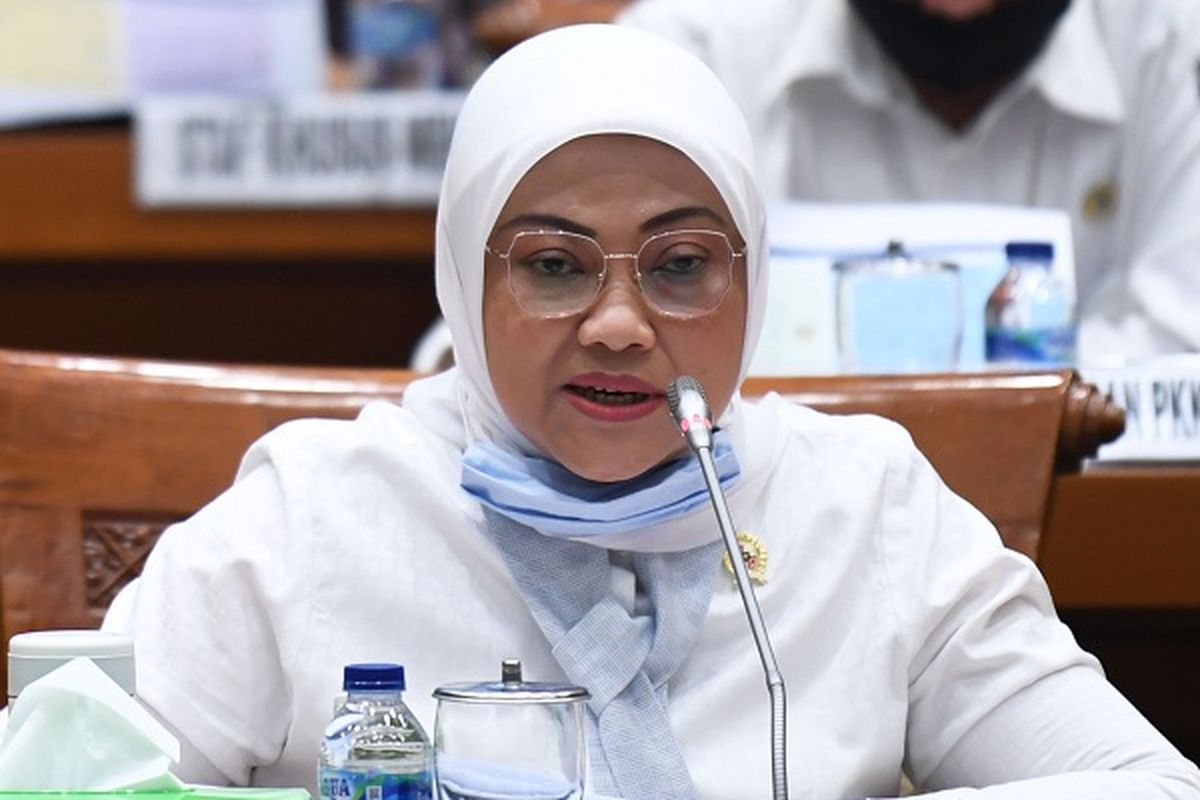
588 388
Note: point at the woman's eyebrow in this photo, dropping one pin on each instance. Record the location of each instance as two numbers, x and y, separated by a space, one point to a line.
547 221
657 221
677 214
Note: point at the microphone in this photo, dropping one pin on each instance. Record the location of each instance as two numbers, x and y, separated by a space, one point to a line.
689 409
690 412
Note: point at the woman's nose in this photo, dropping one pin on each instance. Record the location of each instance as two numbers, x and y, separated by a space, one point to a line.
619 318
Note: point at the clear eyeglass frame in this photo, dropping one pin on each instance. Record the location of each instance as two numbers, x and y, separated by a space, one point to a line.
599 277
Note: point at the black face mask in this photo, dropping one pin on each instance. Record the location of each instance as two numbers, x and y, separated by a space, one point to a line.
956 56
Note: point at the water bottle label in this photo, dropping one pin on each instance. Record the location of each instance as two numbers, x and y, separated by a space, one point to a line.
346 784
1047 346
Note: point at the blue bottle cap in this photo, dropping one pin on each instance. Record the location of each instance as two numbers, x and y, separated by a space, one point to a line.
373 678
1032 251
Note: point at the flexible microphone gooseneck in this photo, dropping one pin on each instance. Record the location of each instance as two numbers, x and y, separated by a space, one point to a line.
690 412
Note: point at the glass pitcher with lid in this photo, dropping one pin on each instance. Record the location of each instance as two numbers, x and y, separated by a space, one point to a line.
898 313
510 739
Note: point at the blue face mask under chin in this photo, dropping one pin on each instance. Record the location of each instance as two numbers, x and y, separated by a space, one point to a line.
554 501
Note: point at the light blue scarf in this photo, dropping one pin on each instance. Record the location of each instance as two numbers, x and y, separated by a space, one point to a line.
546 522
625 660
554 501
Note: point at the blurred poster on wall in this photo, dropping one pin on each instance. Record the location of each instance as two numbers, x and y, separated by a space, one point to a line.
60 58
79 59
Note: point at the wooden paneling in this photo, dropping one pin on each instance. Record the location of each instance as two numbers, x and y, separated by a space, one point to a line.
84 269
1125 538
1121 552
66 195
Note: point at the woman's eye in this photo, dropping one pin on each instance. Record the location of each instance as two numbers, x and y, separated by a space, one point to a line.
552 265
681 265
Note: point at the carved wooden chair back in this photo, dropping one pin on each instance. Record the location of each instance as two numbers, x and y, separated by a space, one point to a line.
98 455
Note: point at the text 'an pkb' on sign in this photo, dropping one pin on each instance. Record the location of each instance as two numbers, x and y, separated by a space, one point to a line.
384 148
1162 410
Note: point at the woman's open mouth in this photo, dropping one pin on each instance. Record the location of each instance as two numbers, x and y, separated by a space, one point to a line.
609 398
612 398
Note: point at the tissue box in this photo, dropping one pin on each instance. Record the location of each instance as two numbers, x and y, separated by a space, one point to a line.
191 793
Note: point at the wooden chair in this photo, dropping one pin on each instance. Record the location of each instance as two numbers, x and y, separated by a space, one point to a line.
98 455
998 439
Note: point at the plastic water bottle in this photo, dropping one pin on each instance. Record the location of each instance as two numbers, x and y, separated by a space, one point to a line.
1030 315
374 748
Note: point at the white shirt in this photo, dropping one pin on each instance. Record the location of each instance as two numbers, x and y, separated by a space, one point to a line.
1104 124
908 636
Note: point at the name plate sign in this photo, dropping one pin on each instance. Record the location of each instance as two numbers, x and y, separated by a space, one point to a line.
379 148
1162 410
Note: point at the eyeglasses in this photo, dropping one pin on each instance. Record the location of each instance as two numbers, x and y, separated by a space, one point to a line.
681 274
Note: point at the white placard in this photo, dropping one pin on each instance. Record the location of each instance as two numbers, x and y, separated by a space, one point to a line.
807 238
376 148
1162 409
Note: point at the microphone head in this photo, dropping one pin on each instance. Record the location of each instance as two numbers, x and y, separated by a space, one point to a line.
690 412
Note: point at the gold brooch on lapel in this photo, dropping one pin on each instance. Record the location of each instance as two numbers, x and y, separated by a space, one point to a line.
754 556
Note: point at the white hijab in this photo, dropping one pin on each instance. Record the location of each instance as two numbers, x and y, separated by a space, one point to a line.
551 89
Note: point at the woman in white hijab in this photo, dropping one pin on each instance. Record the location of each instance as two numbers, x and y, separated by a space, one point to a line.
599 234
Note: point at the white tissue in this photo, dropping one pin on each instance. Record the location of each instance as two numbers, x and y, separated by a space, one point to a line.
490 780
76 729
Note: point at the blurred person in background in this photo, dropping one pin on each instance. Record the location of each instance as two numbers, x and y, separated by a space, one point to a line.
1091 106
